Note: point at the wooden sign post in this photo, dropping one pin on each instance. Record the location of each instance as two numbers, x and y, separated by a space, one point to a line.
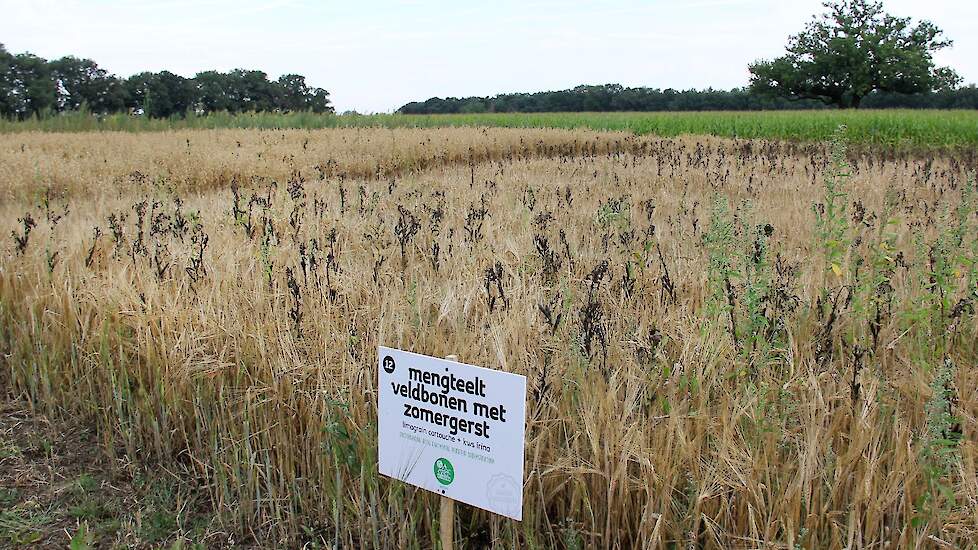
446 522
446 516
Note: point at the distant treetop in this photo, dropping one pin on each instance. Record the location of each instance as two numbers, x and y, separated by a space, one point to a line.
614 97
30 85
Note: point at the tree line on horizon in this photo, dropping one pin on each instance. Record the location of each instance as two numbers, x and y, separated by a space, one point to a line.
853 55
615 97
33 86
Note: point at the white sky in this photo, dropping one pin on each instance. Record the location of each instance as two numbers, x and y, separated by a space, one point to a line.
375 56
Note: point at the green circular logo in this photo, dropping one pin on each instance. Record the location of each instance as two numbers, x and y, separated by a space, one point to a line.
444 471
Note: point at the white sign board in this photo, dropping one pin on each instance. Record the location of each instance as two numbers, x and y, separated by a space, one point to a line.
453 429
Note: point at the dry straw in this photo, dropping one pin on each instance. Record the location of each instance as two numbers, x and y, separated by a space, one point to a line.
729 343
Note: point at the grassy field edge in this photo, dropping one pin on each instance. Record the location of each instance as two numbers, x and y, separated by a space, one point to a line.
891 129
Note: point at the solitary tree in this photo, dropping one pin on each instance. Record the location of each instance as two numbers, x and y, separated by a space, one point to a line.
851 50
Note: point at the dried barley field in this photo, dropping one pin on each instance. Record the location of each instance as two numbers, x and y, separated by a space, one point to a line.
728 343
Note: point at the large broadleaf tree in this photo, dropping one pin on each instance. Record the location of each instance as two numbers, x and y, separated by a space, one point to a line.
851 50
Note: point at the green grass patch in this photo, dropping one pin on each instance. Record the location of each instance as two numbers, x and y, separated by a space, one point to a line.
891 129
23 525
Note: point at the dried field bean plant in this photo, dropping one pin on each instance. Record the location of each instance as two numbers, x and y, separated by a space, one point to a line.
728 343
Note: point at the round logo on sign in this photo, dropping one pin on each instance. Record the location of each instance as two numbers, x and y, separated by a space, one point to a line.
389 364
444 471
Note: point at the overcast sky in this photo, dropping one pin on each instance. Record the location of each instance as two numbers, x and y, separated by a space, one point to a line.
375 56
